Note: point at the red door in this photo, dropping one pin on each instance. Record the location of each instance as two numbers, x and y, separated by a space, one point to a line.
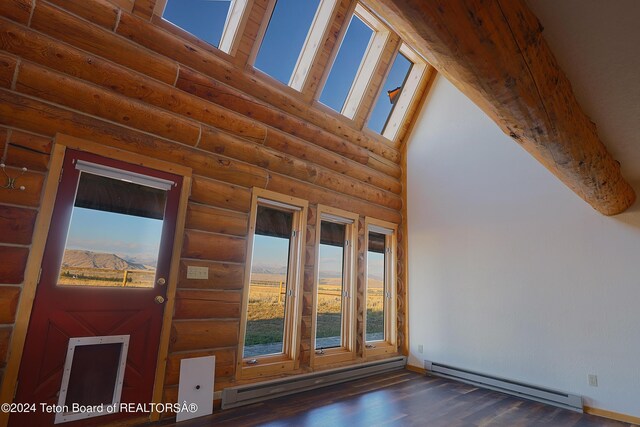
104 273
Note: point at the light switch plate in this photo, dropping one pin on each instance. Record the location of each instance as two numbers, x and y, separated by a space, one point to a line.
194 272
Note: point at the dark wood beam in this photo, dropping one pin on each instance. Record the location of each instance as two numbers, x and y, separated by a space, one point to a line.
494 52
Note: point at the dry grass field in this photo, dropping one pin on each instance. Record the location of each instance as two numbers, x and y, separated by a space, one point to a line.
76 276
265 317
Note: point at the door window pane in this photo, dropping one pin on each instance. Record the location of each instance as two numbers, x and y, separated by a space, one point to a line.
390 93
290 22
114 234
345 67
376 287
330 296
268 284
204 19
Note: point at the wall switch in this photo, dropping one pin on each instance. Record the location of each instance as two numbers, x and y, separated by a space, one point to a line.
420 348
593 380
198 273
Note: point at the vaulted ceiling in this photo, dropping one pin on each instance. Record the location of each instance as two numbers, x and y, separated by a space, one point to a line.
496 54
597 44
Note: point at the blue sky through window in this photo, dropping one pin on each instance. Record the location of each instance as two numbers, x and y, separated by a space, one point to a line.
285 35
382 110
203 18
345 67
112 233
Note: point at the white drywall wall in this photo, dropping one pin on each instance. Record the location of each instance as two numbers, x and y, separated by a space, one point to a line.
510 273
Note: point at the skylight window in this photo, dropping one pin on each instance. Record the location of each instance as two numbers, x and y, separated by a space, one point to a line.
285 37
204 19
390 94
345 68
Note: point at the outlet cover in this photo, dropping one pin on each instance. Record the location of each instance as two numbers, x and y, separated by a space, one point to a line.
198 273
420 348
593 380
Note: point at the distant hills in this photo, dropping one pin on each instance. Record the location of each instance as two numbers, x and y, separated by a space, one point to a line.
88 259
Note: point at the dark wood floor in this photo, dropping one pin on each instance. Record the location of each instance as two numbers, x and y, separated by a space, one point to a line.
400 398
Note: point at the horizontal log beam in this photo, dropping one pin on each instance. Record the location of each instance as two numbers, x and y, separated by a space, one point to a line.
8 303
52 54
160 41
16 225
495 53
225 364
14 259
85 35
192 304
198 334
206 218
227 276
220 194
213 247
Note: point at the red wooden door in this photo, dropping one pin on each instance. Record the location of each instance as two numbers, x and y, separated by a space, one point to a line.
103 206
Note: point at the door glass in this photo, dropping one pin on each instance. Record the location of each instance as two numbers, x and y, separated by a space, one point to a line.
114 234
376 287
268 286
330 285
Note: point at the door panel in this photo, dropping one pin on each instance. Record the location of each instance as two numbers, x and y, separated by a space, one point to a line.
116 222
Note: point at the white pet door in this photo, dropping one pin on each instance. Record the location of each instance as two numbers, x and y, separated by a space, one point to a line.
93 377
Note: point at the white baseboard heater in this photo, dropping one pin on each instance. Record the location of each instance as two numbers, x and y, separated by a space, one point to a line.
252 393
526 391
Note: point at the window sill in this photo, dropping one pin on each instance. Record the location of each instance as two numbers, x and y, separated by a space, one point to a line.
331 356
379 348
266 367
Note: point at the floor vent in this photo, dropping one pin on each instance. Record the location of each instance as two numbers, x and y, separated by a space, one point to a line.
252 393
527 391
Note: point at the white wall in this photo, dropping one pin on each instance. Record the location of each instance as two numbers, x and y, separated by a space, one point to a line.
510 273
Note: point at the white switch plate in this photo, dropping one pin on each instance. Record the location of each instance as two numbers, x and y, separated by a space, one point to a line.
420 348
194 272
593 380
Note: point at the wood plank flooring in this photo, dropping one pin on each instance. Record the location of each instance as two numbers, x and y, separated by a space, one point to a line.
399 398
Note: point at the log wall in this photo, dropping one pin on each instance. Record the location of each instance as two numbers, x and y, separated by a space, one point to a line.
110 73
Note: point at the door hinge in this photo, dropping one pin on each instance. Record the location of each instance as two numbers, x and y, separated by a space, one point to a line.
39 275
15 390
61 172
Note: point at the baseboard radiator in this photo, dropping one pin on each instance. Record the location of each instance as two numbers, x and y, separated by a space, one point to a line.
527 391
252 393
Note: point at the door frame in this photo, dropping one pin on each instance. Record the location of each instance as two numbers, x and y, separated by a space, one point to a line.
41 231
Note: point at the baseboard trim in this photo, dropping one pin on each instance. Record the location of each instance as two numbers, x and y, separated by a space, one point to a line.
416 369
612 415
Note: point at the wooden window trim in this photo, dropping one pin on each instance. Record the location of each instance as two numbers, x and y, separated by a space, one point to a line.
312 44
389 345
287 361
233 27
346 352
411 86
369 62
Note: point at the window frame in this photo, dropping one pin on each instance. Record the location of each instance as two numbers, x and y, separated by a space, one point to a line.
288 360
234 24
347 350
398 114
389 344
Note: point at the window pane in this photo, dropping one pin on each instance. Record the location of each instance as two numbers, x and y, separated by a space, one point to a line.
114 234
268 284
390 93
285 35
345 67
375 287
204 19
330 285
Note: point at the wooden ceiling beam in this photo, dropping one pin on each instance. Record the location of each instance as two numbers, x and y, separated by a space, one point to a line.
494 52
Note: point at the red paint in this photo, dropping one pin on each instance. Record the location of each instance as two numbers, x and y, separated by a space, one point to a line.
60 312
